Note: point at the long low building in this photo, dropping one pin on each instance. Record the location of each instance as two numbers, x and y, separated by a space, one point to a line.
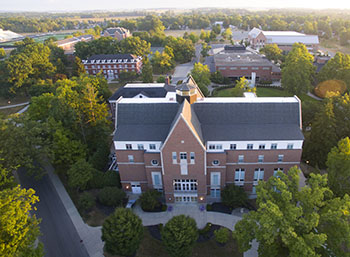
283 39
68 44
191 148
112 65
236 62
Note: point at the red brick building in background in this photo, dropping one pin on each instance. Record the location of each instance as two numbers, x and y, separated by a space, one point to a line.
118 33
191 148
112 64
235 62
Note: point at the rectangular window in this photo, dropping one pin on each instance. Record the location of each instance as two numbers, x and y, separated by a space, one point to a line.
276 170
174 157
211 147
244 68
290 146
157 180
192 157
215 179
266 68
128 146
131 158
254 190
233 146
233 68
215 192
258 175
249 146
239 176
240 158
261 158
280 158
152 147
262 146
183 156
219 147
140 146
273 146
185 185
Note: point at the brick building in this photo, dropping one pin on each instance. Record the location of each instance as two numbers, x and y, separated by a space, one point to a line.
283 39
236 62
191 148
112 64
118 33
68 44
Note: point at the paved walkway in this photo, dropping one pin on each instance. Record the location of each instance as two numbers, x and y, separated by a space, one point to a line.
313 96
201 218
13 105
91 236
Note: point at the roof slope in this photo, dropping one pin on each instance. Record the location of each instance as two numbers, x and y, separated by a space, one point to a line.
144 121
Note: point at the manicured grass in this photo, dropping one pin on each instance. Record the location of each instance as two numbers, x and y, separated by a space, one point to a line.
152 247
57 36
266 92
180 33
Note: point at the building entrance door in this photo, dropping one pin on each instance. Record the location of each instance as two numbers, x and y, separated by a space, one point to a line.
136 188
186 199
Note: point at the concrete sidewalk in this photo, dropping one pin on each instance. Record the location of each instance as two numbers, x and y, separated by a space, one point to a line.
201 217
91 236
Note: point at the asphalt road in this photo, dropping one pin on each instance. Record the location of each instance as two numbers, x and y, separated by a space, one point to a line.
59 236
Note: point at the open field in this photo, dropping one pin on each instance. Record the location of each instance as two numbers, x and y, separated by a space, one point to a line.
332 45
57 36
97 19
152 247
180 33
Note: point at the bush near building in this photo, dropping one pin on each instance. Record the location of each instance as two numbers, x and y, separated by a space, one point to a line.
222 235
234 196
111 196
150 201
330 86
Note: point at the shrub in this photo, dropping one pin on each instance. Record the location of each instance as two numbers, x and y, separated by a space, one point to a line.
111 196
161 79
122 232
234 196
97 180
150 200
86 201
111 178
222 235
179 235
205 230
209 207
330 86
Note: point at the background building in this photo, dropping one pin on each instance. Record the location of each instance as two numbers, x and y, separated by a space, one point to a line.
191 148
68 44
235 62
112 64
118 33
284 39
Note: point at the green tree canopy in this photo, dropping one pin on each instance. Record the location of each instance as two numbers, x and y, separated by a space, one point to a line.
201 74
298 70
272 52
79 174
296 222
179 235
338 167
122 232
147 71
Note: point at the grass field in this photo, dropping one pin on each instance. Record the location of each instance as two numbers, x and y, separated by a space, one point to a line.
152 247
104 18
333 46
57 36
266 92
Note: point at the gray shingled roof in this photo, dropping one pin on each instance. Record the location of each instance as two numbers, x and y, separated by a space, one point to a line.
129 92
144 121
222 121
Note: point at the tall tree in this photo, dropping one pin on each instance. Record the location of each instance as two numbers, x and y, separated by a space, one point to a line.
2 53
296 222
272 52
298 70
147 71
19 229
338 168
78 67
122 232
201 74
79 174
337 67
136 46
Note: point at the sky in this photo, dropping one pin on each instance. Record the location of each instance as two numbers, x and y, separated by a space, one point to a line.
119 5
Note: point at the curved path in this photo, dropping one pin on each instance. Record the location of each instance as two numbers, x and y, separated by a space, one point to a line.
13 105
201 217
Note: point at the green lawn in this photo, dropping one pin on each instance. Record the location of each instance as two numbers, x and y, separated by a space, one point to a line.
266 92
152 247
